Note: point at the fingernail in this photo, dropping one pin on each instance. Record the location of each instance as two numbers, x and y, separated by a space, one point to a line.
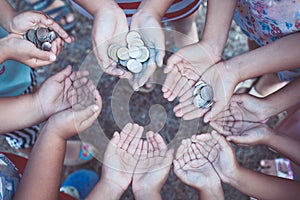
115 134
52 57
228 139
95 108
262 162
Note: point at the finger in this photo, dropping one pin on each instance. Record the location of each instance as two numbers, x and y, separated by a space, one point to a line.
63 74
41 55
159 58
215 110
113 143
86 117
187 95
177 169
204 153
50 23
191 153
181 149
125 131
176 81
144 152
171 62
179 86
194 114
160 142
196 151
132 140
169 80
219 126
149 136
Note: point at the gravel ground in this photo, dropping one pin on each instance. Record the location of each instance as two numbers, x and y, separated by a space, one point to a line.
149 110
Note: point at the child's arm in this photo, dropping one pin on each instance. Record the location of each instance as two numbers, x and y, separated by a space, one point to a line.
251 183
6 14
41 178
262 134
282 54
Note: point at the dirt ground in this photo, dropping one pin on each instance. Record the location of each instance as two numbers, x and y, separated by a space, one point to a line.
140 104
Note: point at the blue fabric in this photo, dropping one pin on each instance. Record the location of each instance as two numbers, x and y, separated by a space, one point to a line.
14 76
83 180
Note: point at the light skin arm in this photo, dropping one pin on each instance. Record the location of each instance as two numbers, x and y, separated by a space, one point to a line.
282 54
6 14
252 183
282 99
41 179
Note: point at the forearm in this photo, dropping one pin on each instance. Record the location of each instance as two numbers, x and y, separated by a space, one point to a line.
95 6
156 8
286 145
217 25
282 54
262 186
19 112
42 176
6 14
105 190
147 194
212 193
283 99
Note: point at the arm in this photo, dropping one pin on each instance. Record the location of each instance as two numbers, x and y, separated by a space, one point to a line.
217 25
282 54
262 186
282 99
43 170
154 8
6 15
93 6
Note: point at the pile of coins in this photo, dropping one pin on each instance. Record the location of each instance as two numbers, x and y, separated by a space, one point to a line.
41 37
203 95
132 56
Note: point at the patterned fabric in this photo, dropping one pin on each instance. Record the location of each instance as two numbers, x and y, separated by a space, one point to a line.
18 79
266 21
178 10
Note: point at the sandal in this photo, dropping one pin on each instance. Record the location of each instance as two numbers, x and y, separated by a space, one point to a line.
80 183
58 13
84 155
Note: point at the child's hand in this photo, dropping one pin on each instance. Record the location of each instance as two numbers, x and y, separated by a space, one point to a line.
153 36
217 150
33 19
75 101
110 26
153 167
218 77
260 134
244 113
192 168
120 158
198 56
26 52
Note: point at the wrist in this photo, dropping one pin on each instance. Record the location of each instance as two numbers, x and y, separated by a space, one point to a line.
213 50
104 6
146 192
211 192
234 177
40 110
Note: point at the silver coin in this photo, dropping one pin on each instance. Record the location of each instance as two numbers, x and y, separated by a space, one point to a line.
31 35
144 55
122 53
132 35
206 93
46 46
52 36
112 51
199 102
134 66
136 42
134 52
123 63
42 34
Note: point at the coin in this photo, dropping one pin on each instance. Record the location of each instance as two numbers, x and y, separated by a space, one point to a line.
123 63
112 51
134 66
42 34
134 52
199 102
122 53
136 42
144 55
206 93
30 35
132 35
52 36
46 46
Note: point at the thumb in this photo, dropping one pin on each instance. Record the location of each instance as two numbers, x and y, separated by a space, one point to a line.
159 59
60 76
113 143
238 139
215 110
85 118
42 55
